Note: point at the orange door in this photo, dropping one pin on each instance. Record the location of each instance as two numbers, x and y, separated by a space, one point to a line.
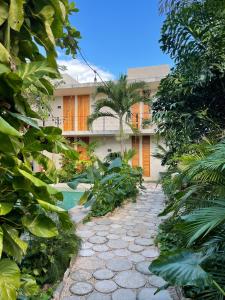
135 110
82 150
146 155
68 113
83 112
135 146
146 112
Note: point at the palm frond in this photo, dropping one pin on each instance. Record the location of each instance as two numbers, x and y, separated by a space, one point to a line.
97 115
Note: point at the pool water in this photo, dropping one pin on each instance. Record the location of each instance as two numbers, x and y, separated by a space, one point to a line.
70 199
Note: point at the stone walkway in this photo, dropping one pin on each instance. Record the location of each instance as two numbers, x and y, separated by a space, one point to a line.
116 252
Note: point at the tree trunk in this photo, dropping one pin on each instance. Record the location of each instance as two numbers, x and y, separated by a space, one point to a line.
121 135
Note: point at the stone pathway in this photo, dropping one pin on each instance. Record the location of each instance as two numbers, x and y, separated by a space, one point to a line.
116 252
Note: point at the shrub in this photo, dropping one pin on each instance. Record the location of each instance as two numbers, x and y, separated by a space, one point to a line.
112 182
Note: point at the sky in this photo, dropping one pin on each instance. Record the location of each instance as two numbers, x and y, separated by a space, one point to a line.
116 35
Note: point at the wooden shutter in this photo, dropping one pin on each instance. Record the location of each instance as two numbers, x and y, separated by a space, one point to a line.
146 112
68 113
146 155
83 112
135 110
135 146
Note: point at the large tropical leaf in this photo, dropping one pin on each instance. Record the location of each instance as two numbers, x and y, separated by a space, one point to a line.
50 207
37 182
9 279
16 14
40 225
181 269
3 11
200 222
6 128
26 120
1 242
13 245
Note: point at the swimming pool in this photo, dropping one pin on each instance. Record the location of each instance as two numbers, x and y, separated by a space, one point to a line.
70 199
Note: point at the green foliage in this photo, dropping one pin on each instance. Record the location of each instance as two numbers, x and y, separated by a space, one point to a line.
30 31
189 100
189 113
47 259
112 182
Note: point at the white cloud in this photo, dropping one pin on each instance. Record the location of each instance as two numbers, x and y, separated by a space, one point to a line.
81 72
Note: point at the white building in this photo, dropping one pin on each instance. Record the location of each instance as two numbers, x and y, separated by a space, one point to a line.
74 102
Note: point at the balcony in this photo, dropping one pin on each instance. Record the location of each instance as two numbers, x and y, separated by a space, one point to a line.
77 125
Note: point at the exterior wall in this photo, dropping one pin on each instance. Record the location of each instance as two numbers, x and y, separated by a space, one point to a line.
105 144
104 130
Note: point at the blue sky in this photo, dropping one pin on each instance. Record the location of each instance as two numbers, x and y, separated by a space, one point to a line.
118 34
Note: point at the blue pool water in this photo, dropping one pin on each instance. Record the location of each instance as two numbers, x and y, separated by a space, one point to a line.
70 199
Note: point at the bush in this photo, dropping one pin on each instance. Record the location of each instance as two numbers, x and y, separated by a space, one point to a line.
112 182
48 259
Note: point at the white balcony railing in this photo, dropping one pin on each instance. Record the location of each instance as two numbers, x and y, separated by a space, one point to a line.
100 125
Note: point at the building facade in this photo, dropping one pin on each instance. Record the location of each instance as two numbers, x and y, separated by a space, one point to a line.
74 102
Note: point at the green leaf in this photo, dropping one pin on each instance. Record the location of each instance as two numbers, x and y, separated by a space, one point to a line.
50 207
5 208
16 14
109 177
26 120
4 54
181 268
1 242
37 182
9 279
6 128
40 225
84 197
3 11
116 163
13 245
4 69
29 285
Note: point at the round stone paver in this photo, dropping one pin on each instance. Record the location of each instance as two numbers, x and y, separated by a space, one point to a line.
73 298
105 286
100 248
86 252
81 275
88 263
144 242
86 245
118 264
103 274
81 288
113 236
124 294
148 293
133 233
130 279
150 253
85 234
102 233
156 281
136 257
135 248
128 238
103 222
106 255
100 228
117 244
97 239
122 252
99 296
143 267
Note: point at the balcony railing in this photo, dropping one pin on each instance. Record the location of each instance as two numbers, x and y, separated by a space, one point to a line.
103 124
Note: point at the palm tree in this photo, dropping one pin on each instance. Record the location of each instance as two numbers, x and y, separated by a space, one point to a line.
119 97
